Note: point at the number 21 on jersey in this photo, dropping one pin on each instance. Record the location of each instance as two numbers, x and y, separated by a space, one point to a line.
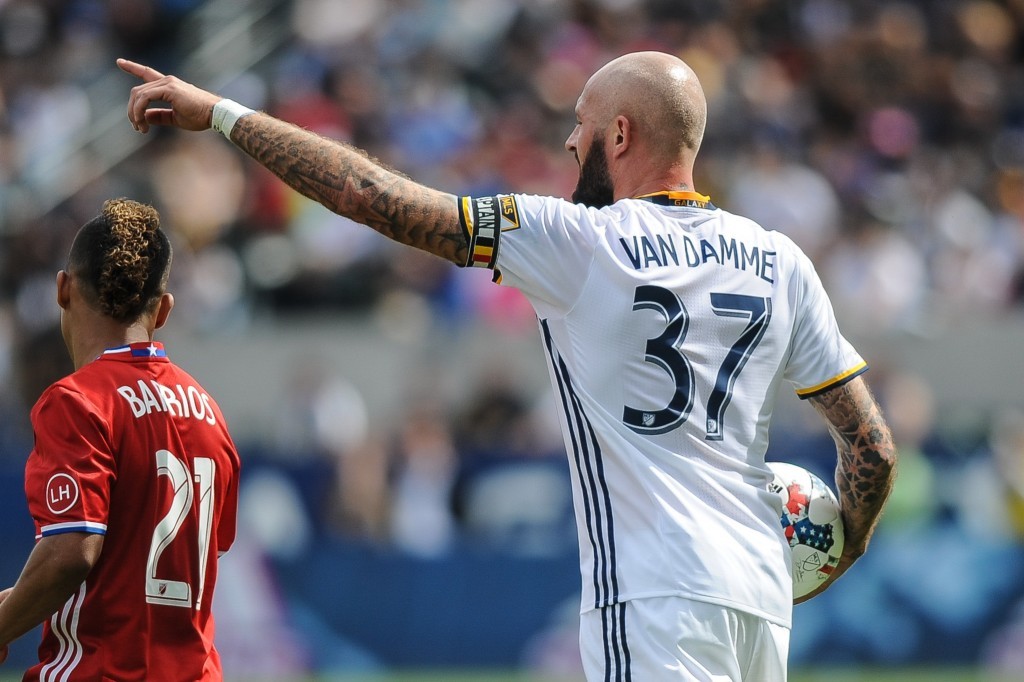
177 592
665 352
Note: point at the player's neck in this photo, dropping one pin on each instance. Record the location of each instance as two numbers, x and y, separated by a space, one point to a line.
673 179
89 344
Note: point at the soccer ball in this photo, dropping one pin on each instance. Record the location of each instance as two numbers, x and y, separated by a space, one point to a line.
811 522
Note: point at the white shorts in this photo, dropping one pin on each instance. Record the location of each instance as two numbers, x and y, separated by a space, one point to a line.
671 638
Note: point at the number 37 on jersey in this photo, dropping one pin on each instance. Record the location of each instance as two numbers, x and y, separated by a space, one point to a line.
668 351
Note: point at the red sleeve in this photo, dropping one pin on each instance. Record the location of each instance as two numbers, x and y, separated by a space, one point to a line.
71 469
228 469
227 526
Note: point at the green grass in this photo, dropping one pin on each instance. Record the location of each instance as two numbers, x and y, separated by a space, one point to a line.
831 675
823 675
897 675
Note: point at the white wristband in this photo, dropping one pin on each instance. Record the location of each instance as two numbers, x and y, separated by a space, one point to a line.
226 114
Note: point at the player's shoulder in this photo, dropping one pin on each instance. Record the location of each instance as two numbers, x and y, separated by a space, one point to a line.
74 385
91 388
63 397
754 231
513 207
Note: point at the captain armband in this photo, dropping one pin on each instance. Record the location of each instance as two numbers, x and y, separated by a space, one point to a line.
480 225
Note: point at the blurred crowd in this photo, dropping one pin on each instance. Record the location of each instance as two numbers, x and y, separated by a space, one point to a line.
886 138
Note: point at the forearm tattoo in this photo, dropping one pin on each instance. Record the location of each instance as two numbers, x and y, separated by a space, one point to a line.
350 183
866 468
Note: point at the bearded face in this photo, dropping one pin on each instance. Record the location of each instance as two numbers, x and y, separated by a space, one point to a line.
594 188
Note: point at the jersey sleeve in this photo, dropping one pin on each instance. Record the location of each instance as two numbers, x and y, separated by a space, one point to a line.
821 357
542 246
71 469
227 525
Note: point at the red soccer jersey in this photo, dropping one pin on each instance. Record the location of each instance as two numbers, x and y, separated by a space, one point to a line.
131 447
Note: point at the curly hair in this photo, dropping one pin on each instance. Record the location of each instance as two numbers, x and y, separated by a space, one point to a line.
123 258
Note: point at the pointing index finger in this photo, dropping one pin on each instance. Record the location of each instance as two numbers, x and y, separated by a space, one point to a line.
146 73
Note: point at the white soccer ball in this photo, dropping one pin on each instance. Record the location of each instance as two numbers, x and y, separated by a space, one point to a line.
811 522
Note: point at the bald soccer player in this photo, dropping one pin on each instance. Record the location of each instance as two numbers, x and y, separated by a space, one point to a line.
668 325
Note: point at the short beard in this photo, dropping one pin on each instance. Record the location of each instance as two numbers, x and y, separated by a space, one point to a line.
594 188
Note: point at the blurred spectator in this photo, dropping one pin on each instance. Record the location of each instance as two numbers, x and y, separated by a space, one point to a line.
513 492
358 507
256 640
554 651
421 515
991 490
359 501
876 279
764 189
1009 225
910 409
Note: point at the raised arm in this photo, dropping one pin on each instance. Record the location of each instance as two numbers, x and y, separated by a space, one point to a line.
866 468
342 178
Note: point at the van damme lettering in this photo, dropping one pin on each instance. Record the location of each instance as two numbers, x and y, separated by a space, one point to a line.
661 251
180 401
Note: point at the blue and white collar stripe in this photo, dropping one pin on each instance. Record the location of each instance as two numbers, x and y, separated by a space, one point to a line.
138 350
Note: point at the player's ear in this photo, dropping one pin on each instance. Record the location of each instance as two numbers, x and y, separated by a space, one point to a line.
163 310
623 136
63 289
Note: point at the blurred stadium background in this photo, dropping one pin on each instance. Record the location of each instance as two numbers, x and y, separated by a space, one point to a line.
405 502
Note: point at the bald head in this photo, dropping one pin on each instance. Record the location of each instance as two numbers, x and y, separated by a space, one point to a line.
658 93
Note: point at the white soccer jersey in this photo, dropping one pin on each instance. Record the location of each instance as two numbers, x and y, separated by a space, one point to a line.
668 325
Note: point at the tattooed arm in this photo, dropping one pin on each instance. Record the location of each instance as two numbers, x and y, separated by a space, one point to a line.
866 468
337 175
352 184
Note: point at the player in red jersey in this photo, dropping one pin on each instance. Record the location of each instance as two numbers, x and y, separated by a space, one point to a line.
132 483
